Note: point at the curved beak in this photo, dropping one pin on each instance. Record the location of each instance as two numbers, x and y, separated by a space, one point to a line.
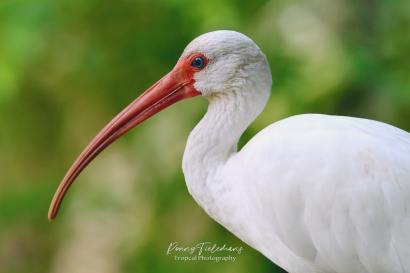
175 86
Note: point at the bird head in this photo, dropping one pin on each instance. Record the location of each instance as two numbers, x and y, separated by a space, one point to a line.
225 61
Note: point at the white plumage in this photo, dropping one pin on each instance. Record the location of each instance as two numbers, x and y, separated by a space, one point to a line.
313 193
333 192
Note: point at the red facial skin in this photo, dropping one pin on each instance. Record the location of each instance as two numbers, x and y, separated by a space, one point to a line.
173 87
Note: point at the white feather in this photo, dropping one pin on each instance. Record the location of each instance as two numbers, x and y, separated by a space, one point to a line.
313 193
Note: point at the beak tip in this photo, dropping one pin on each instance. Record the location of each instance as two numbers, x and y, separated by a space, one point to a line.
51 215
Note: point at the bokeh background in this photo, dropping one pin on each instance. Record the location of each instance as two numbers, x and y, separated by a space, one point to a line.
67 67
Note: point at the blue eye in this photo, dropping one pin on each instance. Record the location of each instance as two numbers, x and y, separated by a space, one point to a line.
198 62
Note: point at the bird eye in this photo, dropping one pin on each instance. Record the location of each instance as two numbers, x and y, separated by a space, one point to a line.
198 62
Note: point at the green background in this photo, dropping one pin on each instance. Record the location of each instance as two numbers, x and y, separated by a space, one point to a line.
68 67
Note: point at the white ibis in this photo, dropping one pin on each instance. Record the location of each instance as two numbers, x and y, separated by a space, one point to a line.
313 193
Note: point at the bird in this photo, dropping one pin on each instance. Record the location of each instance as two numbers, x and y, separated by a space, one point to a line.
311 192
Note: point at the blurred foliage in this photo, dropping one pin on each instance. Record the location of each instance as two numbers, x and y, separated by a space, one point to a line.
67 68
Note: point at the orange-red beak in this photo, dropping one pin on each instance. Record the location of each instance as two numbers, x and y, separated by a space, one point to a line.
175 86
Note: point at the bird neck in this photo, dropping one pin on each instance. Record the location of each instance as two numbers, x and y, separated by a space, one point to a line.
214 140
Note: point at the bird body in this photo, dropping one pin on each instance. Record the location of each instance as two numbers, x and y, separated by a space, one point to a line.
332 192
313 193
